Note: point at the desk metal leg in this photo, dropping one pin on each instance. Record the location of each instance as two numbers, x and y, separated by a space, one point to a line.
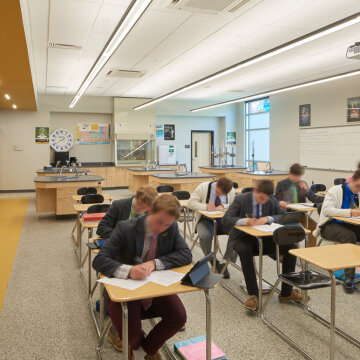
215 246
185 221
102 307
208 324
260 272
332 316
125 329
89 270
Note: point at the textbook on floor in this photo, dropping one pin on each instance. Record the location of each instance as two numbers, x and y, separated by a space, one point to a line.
195 349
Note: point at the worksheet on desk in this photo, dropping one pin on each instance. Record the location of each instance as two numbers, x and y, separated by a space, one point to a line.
165 277
268 228
128 284
301 206
212 212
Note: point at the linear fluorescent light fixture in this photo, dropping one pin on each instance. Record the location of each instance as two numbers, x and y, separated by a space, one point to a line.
131 16
281 90
317 34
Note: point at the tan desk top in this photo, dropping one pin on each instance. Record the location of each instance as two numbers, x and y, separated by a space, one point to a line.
183 203
303 209
331 257
321 193
88 224
106 197
347 220
150 290
258 233
212 216
83 207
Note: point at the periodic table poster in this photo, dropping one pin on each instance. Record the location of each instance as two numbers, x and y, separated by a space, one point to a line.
92 134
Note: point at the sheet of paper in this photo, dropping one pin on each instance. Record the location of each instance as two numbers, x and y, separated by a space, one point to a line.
300 206
307 204
165 277
128 284
268 228
355 218
212 212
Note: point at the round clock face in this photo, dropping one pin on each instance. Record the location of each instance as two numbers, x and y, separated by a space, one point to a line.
61 140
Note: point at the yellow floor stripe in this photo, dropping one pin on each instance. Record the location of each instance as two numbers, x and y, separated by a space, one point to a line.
12 216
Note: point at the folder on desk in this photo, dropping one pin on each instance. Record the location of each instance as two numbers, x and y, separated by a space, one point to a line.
200 276
195 349
94 216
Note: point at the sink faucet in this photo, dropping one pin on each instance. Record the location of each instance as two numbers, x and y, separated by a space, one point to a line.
62 168
268 168
184 172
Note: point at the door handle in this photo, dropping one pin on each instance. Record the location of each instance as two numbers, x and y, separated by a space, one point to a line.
195 148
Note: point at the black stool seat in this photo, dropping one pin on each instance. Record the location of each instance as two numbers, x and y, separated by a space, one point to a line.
307 280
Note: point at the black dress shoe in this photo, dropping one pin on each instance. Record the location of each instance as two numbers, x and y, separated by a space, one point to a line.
349 286
219 268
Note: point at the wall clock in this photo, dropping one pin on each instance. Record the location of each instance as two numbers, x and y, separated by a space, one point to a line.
61 140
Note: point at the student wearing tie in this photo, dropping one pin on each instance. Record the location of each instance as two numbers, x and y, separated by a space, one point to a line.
211 196
135 249
294 190
343 201
258 208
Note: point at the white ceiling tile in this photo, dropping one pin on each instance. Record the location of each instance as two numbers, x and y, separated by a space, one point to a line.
39 10
64 56
39 36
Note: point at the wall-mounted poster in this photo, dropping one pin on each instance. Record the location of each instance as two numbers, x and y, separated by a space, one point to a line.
169 132
160 131
353 109
305 115
92 134
231 138
41 135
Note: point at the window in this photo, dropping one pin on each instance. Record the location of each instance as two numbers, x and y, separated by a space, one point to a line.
257 124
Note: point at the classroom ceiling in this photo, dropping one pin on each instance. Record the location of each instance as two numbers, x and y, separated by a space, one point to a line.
15 73
174 46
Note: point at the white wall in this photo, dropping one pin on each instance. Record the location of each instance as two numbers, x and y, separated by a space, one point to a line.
18 128
328 107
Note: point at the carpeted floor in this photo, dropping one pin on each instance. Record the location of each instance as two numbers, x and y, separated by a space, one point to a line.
45 314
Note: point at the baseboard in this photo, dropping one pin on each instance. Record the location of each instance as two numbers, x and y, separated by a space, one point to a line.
17 191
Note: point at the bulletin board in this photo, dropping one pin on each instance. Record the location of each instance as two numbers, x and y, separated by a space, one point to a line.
92 134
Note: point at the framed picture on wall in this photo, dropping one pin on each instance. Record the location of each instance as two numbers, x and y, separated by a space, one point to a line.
169 132
353 109
305 115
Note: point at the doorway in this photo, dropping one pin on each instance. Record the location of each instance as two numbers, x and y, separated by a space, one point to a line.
202 142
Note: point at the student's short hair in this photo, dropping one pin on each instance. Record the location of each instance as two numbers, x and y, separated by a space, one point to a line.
266 187
358 165
356 175
224 184
168 203
146 194
297 169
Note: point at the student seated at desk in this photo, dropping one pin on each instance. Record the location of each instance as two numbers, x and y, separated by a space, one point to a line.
351 176
124 209
265 210
294 190
119 210
155 241
343 201
211 196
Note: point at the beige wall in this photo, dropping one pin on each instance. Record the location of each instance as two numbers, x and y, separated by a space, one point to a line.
17 168
328 107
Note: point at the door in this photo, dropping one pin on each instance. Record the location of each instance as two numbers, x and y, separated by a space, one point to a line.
201 145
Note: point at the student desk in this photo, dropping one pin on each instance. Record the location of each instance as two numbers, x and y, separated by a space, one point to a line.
109 197
347 220
184 204
259 234
307 210
149 290
332 258
214 217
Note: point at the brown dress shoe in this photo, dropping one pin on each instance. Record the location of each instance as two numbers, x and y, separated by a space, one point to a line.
115 340
252 303
294 296
156 356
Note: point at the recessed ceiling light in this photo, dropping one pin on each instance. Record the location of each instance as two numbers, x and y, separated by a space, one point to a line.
7 96
14 106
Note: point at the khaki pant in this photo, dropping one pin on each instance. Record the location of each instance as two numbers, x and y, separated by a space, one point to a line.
311 227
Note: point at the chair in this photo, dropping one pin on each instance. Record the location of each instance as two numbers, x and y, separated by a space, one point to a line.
339 181
235 185
86 191
181 195
98 208
247 189
303 280
164 188
317 187
92 199
184 195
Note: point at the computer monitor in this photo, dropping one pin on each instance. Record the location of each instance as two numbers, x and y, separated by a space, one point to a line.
61 156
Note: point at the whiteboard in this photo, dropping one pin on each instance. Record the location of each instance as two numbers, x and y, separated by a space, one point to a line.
336 147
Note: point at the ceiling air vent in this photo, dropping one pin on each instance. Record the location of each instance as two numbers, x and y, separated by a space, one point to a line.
213 7
124 73
64 46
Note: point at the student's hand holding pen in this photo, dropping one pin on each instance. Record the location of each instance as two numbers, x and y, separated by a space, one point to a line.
283 204
355 212
210 207
251 221
141 270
